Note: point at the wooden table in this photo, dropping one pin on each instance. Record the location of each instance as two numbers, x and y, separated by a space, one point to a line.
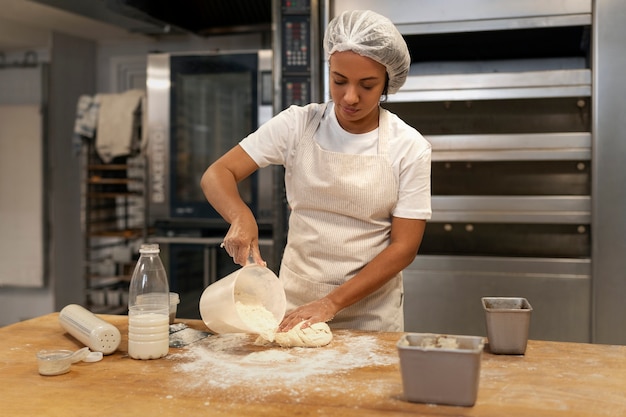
357 375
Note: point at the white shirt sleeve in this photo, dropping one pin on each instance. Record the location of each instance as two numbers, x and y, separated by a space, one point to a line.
410 154
414 187
273 143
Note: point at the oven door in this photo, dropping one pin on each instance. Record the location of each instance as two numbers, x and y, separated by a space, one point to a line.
511 185
199 107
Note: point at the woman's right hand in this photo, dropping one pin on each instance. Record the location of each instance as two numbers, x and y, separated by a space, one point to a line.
219 184
242 242
322 310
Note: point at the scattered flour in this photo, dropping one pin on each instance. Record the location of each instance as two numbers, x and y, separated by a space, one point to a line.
226 362
268 357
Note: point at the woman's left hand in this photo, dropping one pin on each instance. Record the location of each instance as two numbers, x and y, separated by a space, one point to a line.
321 310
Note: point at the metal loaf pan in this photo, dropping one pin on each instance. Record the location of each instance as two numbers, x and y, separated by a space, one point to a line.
440 374
508 322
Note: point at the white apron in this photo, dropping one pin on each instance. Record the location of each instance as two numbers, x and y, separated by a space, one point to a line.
341 221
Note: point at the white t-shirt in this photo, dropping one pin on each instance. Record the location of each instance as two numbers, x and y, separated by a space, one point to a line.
275 141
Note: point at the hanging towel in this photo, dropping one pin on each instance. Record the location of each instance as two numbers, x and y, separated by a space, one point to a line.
119 130
86 116
86 121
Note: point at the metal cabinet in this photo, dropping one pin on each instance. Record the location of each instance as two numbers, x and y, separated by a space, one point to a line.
114 226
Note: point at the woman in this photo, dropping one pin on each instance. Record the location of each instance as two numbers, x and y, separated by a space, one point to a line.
357 181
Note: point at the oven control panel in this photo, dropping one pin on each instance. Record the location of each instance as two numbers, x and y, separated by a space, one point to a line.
296 52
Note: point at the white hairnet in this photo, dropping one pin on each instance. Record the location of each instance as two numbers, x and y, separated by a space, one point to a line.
371 35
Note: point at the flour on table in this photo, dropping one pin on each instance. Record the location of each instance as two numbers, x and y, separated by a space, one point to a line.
230 361
268 357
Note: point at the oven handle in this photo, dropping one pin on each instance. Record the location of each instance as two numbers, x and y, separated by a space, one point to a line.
209 241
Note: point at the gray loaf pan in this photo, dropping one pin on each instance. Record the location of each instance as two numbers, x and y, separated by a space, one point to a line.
507 320
440 375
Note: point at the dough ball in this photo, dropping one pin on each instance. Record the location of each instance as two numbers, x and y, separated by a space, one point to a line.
316 335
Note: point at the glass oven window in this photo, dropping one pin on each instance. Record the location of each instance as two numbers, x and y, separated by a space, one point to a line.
213 107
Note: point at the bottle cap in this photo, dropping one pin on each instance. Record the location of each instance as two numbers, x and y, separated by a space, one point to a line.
149 248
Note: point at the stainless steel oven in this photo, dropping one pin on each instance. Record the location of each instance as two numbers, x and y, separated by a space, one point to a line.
199 106
511 215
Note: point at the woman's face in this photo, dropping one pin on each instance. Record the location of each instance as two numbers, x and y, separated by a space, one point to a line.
356 85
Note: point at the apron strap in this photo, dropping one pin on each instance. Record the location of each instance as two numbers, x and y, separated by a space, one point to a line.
383 132
314 122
